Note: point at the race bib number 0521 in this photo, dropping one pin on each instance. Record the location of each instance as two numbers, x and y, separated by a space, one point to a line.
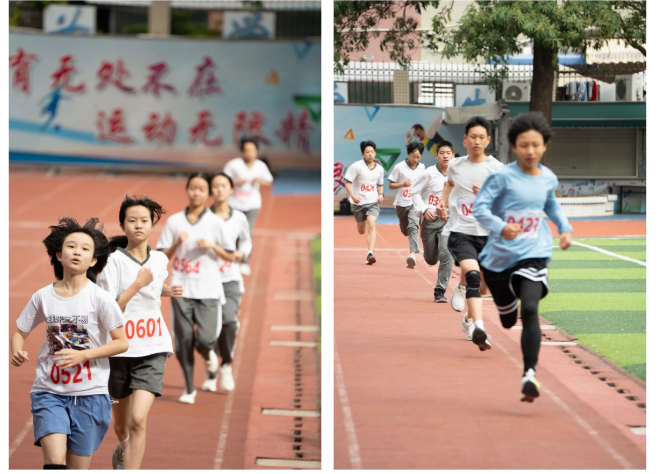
529 221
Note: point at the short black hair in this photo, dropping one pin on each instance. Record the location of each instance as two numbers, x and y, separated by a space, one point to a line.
155 212
411 147
222 173
526 122
68 226
199 174
253 140
478 122
365 144
443 143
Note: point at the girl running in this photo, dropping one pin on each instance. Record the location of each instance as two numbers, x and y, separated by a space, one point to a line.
195 239
84 326
511 204
238 230
248 174
135 274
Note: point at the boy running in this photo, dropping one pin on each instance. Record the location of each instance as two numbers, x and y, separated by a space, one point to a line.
511 205
467 237
402 177
426 195
364 183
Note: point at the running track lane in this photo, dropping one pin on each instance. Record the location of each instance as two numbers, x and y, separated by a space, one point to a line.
179 436
419 396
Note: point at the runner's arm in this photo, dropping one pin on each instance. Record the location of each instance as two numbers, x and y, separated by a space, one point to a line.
17 344
493 186
554 211
141 280
416 192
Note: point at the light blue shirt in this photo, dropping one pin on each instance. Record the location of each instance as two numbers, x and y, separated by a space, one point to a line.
510 195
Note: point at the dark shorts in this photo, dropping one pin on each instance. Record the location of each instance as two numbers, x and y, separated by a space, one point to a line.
504 285
136 373
360 213
84 419
466 247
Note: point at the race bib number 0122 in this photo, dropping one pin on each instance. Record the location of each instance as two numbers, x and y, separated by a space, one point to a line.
528 220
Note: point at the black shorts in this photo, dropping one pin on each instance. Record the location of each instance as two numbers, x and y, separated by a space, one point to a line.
136 373
466 247
505 286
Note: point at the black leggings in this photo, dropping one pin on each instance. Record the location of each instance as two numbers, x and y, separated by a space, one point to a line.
529 292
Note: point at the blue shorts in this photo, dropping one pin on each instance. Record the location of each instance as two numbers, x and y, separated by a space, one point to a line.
84 419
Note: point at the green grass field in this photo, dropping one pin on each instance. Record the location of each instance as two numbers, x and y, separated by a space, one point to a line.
600 299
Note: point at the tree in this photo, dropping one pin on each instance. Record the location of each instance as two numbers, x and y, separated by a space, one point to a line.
493 29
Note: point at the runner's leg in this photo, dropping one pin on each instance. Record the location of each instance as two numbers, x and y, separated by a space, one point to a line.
184 338
140 406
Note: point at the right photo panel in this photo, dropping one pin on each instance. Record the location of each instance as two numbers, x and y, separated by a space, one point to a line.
490 235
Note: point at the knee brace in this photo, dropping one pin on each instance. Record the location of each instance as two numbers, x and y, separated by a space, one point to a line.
473 283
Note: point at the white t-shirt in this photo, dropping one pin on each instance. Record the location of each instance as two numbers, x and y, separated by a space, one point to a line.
145 327
399 174
427 191
81 322
247 197
238 229
194 268
464 174
364 181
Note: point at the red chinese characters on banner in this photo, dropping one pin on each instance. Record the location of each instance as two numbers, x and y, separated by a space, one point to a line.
198 132
249 125
20 63
154 84
205 82
338 180
162 132
62 77
112 128
295 126
109 74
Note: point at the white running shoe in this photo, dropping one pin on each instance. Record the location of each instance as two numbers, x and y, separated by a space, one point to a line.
245 269
458 300
212 363
226 379
209 385
118 458
188 398
468 327
529 387
410 260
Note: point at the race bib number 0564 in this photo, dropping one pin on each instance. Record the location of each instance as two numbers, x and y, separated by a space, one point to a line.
529 221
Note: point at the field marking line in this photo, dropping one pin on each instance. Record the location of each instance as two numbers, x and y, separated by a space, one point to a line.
612 254
350 428
19 439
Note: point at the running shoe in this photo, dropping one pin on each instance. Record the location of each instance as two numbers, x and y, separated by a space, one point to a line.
371 259
439 296
213 362
480 339
209 385
468 327
226 379
458 300
529 387
188 398
410 261
118 458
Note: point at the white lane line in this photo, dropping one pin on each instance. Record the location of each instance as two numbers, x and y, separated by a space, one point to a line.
376 250
293 343
558 343
352 438
295 328
606 252
19 439
639 430
292 463
288 412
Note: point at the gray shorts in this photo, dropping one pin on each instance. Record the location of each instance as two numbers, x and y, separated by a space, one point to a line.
361 212
136 373
232 291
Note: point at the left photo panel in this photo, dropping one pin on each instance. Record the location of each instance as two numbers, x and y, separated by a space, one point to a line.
164 235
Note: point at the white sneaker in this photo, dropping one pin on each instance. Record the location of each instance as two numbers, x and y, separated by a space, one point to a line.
226 379
245 269
118 458
410 260
468 327
188 398
529 387
213 362
209 385
458 300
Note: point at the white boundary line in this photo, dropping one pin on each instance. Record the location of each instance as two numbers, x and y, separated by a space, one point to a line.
606 252
352 438
19 439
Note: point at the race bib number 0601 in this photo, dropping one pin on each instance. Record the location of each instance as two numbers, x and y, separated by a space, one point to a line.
528 220
144 331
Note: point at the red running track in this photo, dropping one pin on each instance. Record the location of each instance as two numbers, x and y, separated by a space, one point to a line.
412 393
221 430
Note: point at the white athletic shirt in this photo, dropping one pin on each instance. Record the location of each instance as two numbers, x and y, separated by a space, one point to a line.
237 228
364 181
145 327
399 174
247 197
428 190
81 322
194 268
464 174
